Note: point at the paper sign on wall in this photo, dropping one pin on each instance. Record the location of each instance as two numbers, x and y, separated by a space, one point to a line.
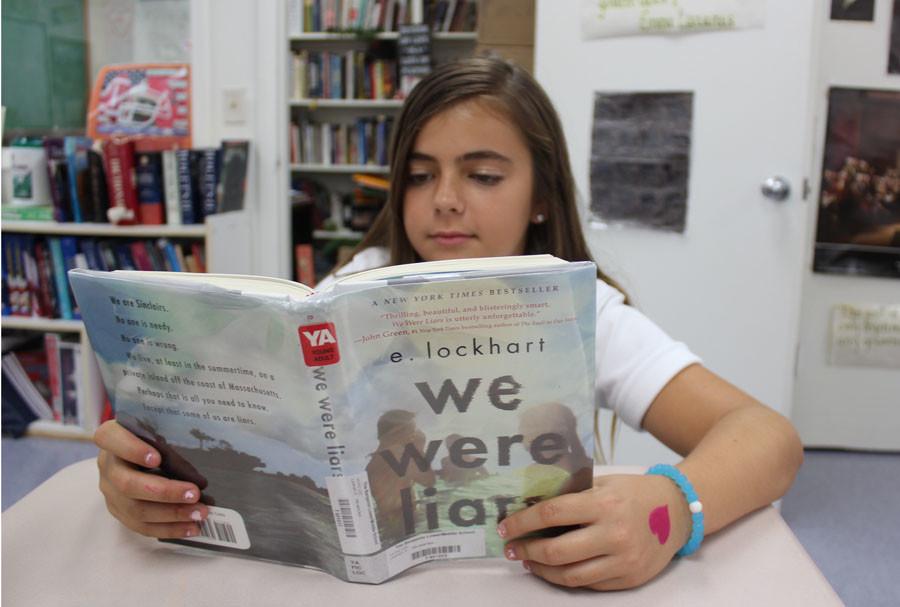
865 335
610 18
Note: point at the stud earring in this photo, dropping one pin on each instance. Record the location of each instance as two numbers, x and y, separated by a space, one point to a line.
539 218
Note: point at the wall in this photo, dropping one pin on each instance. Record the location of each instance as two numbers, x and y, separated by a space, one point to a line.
235 56
852 407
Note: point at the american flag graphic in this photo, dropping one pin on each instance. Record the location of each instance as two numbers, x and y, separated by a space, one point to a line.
142 100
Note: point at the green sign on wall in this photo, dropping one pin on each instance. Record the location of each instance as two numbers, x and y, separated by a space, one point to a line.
44 72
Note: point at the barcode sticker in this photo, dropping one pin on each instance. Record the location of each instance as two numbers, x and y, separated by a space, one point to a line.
354 513
462 543
458 543
223 527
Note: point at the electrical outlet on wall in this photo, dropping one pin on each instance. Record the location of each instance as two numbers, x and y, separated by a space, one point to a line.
234 102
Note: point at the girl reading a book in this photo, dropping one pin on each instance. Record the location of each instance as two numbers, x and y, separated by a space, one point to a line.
480 168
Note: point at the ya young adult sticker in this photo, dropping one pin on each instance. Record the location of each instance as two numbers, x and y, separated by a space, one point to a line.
319 344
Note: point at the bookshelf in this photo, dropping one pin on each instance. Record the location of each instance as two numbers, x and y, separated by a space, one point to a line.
227 247
335 178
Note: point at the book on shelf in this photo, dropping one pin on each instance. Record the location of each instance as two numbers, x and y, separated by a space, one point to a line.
394 418
133 181
148 177
310 16
360 143
35 266
28 375
350 75
232 185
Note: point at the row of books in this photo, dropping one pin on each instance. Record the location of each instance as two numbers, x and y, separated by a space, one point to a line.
133 182
363 142
352 74
34 267
307 16
43 380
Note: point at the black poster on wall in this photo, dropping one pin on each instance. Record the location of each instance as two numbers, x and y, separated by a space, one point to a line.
640 154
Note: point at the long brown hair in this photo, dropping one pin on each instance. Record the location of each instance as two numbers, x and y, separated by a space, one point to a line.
517 95
513 91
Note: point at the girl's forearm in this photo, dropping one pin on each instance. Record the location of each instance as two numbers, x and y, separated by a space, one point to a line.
747 460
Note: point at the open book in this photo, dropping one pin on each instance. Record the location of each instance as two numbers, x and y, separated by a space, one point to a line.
389 420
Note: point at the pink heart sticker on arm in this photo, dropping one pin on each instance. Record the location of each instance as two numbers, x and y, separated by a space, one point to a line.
659 523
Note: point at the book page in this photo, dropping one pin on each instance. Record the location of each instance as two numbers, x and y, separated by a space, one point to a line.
215 379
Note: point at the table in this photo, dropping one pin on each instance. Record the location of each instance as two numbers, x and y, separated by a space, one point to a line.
61 547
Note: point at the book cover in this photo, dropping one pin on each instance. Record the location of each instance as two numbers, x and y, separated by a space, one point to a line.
232 185
123 204
149 183
391 420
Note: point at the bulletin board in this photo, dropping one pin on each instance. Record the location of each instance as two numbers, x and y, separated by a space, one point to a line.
44 72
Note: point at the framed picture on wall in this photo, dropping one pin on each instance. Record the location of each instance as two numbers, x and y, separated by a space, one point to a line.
858 226
852 10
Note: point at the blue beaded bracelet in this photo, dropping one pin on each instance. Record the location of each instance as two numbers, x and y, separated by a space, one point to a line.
694 505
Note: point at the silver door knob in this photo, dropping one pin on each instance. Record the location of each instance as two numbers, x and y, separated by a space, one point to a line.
776 188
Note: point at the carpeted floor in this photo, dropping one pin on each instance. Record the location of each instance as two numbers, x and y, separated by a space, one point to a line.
844 508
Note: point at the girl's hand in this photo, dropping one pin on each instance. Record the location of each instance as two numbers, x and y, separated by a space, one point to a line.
146 503
619 545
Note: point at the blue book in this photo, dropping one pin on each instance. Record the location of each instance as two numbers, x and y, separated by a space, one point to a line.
149 183
171 256
336 71
92 254
123 257
362 146
69 248
186 191
59 278
76 150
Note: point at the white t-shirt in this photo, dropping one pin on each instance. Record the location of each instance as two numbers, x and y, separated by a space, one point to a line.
635 358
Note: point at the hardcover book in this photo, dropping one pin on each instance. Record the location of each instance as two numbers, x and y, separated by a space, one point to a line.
392 419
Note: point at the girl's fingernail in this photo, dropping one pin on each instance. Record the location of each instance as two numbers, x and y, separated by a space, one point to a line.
196 516
148 458
526 565
511 553
501 529
189 496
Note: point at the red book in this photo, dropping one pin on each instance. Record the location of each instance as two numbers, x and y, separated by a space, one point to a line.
141 256
306 272
199 258
118 159
51 346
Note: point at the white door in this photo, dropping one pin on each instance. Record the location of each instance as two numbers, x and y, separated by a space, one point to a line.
729 286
